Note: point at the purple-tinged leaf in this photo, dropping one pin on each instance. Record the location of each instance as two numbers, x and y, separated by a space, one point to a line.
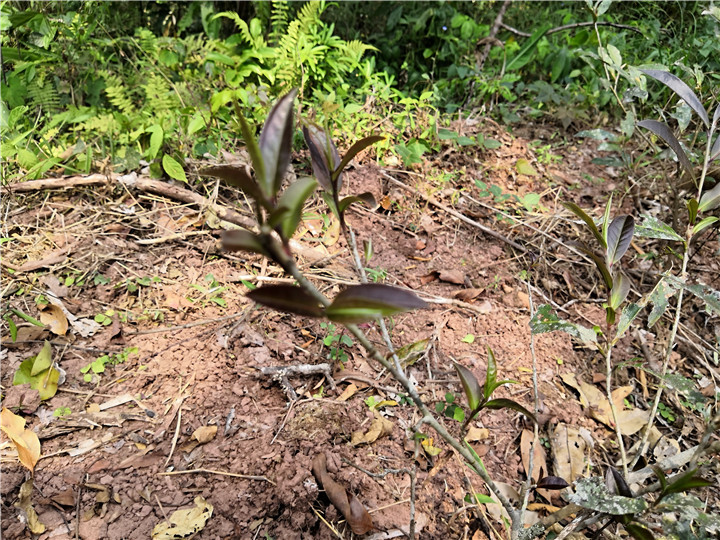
601 266
681 89
619 236
715 151
287 298
710 199
662 131
276 142
638 532
491 374
354 150
294 198
579 212
238 176
502 403
325 152
366 198
242 240
616 484
620 290
252 146
370 301
473 393
552 482
318 160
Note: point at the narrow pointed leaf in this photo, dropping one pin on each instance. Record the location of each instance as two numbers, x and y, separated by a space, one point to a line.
491 374
354 150
277 216
252 148
287 298
579 212
318 160
242 240
620 290
704 224
470 384
370 301
366 198
681 89
692 206
276 142
327 197
552 482
654 228
661 478
502 403
686 481
619 236
294 198
710 200
715 150
240 177
662 131
616 484
601 266
606 220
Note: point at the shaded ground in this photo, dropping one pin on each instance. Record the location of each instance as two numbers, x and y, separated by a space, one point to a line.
186 376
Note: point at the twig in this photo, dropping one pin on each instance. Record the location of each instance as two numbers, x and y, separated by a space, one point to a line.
571 26
175 437
221 473
493 32
188 325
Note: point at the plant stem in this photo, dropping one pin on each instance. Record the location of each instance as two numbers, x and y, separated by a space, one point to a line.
608 388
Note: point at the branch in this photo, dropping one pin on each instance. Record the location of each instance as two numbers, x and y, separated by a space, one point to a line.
571 26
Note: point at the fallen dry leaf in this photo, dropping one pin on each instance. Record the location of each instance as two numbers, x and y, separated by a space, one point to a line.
539 458
477 434
351 508
452 276
568 449
53 316
380 427
468 295
204 434
25 440
183 523
349 392
24 504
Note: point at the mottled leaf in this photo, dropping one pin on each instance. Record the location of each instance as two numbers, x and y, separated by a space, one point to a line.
294 198
471 386
354 150
654 228
287 298
242 240
370 301
708 295
627 316
276 142
552 482
579 212
547 321
662 131
619 236
502 403
593 494
681 89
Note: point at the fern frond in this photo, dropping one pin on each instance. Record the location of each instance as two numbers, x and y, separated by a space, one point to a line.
279 18
43 95
117 93
159 97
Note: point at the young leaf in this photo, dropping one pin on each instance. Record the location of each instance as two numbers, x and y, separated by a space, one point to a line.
552 482
704 224
601 266
681 89
502 403
692 206
253 149
242 240
654 228
662 131
490 374
366 198
616 484
620 290
354 150
294 198
324 156
276 142
579 212
173 169
287 298
685 482
43 360
619 236
606 220
473 393
370 301
710 200
238 176
661 478
638 532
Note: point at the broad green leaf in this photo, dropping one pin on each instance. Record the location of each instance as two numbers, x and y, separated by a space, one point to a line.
710 200
156 140
276 142
43 360
46 383
709 296
662 131
287 298
547 321
471 386
704 224
242 240
370 301
685 482
620 290
619 236
238 176
196 124
579 212
593 494
355 149
481 498
659 298
602 7
681 89
173 168
598 135
366 198
523 167
654 228
502 403
294 198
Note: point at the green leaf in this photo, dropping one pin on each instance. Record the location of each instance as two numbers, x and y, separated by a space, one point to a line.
287 298
627 316
523 166
354 150
12 327
681 89
708 295
502 403
276 142
253 150
692 206
240 177
638 532
294 198
710 200
620 290
370 301
662 131
481 498
242 240
471 386
43 360
196 124
579 212
525 54
619 236
490 374
704 224
685 482
46 383
654 228
592 493
661 478
156 140
173 169
365 198
606 221
546 321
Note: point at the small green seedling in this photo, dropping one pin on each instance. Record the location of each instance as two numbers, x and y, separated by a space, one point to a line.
62 411
449 408
97 366
105 318
336 341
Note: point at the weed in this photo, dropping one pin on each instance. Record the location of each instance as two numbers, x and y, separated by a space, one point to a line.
211 293
105 318
94 369
62 411
336 341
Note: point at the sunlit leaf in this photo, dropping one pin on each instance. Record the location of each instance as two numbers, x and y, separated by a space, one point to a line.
366 198
287 298
662 131
654 228
491 374
545 320
173 169
502 403
276 142
471 386
710 199
552 482
704 224
43 360
619 236
681 89
354 150
294 198
240 177
579 212
370 301
242 240
25 440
